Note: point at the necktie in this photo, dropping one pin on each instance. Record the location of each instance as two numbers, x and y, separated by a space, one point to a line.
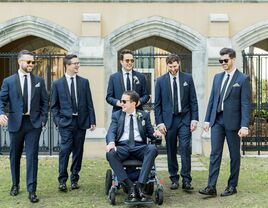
219 107
131 141
25 95
128 83
175 97
74 105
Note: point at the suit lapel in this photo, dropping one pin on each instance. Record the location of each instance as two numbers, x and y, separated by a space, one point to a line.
122 80
66 88
18 85
140 127
169 86
181 80
32 85
121 124
133 83
218 89
230 86
78 90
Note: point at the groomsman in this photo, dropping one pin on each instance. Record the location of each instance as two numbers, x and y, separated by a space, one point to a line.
176 115
73 112
228 115
125 80
26 97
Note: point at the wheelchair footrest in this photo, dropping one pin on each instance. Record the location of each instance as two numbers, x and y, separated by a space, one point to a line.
149 201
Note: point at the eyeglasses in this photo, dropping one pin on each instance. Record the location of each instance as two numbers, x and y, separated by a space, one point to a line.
129 60
75 63
124 101
224 60
28 62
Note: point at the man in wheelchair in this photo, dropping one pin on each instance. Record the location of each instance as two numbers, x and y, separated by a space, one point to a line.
127 138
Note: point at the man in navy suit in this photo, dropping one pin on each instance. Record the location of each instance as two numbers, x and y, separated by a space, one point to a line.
73 112
176 115
228 115
127 137
27 100
126 79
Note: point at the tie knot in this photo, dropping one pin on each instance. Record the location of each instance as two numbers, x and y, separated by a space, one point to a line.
131 115
174 78
127 73
72 78
25 76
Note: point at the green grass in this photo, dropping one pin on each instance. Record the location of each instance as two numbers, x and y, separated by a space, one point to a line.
252 189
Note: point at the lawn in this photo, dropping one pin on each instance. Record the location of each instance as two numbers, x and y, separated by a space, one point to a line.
252 190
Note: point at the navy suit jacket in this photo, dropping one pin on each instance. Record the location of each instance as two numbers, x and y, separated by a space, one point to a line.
61 105
237 101
117 125
164 102
11 95
116 88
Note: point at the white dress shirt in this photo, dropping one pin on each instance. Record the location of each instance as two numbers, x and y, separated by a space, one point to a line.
29 83
125 136
178 87
69 81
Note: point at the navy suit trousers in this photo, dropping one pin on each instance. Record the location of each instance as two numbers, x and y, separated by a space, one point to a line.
218 134
72 141
141 151
179 132
30 135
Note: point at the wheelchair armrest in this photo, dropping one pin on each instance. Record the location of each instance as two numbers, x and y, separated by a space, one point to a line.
157 141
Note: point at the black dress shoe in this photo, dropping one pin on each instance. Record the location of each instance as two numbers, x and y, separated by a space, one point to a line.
63 187
142 196
14 191
174 185
210 191
187 186
75 186
33 197
132 197
229 191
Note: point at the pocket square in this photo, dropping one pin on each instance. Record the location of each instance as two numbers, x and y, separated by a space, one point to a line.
185 84
236 85
37 85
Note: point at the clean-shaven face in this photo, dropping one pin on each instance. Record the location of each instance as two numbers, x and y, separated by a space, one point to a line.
127 62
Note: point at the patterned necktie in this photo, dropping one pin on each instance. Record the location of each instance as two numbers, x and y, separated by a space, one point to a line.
74 105
25 95
219 107
131 141
175 97
128 82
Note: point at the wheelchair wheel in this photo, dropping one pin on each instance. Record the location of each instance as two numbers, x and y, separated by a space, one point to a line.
108 181
159 196
112 197
149 188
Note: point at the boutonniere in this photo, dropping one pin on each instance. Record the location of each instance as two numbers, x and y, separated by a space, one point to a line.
136 80
139 115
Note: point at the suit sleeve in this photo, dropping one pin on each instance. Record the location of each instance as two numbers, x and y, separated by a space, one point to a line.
144 97
112 131
210 103
149 128
245 102
193 101
90 105
110 97
55 105
4 97
158 104
44 102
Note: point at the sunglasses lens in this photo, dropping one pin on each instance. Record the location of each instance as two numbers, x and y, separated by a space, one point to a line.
130 60
123 101
221 61
28 62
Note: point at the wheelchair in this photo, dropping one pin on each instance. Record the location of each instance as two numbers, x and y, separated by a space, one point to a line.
154 185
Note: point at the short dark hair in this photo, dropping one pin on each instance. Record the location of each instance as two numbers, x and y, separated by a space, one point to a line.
133 96
172 58
25 52
125 51
228 51
67 59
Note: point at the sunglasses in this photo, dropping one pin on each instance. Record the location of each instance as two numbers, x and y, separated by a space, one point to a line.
28 62
129 60
124 101
224 60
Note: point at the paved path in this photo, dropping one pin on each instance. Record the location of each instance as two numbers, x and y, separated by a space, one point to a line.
161 163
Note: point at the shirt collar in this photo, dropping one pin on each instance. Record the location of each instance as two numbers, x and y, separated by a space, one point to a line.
69 77
171 76
124 71
23 73
134 113
231 73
